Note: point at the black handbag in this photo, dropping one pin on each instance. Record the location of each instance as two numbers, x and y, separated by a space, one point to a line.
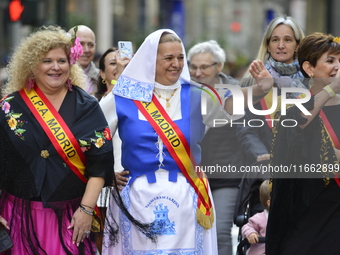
5 240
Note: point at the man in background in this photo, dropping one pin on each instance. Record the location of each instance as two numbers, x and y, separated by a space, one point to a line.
88 41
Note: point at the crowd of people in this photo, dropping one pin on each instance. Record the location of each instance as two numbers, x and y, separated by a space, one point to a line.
109 159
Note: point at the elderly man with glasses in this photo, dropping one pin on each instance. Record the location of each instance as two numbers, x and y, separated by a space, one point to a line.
219 146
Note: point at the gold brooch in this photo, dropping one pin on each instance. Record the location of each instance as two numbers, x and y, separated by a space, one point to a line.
336 39
44 154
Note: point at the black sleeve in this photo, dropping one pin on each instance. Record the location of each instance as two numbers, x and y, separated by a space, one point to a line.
254 141
97 163
12 166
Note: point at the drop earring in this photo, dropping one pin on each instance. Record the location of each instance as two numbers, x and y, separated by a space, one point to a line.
311 81
30 84
69 84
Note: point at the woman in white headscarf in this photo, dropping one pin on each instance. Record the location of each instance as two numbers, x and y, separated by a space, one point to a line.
159 116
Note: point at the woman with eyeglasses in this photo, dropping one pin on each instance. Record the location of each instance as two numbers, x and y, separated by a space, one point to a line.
206 61
219 146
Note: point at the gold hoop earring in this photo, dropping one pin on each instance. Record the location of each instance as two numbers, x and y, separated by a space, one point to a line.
311 81
103 80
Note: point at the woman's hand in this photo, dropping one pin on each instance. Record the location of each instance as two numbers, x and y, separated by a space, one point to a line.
335 85
321 98
263 78
121 64
264 84
263 157
81 223
4 222
337 153
82 219
253 238
121 180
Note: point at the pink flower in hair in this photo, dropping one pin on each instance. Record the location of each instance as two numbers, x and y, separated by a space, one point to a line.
76 51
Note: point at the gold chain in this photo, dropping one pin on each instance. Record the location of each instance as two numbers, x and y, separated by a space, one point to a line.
166 99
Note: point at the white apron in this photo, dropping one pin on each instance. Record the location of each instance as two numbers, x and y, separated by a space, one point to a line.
172 207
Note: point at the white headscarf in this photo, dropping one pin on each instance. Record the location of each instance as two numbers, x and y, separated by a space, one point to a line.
138 78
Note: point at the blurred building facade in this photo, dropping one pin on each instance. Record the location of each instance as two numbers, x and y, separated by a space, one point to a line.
237 25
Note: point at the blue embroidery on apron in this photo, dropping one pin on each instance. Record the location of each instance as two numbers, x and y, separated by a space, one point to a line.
126 232
162 225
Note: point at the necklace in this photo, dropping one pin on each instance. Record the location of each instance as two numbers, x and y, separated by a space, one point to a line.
166 99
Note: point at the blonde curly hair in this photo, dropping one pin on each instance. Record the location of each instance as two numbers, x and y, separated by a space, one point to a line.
32 50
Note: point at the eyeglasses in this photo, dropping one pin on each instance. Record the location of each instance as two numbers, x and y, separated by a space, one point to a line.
203 68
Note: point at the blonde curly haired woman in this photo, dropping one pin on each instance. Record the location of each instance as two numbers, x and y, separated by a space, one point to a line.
56 152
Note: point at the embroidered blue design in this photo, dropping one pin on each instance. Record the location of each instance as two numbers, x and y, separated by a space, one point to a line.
162 225
126 234
133 89
228 94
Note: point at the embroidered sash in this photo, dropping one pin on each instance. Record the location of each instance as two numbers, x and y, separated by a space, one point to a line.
330 131
179 149
56 129
60 135
333 136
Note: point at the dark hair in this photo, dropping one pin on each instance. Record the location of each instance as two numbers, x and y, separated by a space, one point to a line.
314 46
100 84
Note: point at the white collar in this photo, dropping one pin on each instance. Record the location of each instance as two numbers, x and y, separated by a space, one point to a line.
168 87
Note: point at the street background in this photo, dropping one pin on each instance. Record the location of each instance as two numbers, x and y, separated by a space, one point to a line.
237 25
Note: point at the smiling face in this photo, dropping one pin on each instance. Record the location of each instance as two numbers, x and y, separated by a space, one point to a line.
282 44
53 71
110 68
325 69
169 63
88 41
203 68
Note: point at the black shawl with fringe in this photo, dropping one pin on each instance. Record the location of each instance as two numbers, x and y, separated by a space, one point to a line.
27 175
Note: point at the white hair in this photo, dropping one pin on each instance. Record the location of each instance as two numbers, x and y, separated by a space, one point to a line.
211 47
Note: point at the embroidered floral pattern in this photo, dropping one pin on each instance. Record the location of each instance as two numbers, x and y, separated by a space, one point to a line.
99 141
107 134
13 118
133 89
6 107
